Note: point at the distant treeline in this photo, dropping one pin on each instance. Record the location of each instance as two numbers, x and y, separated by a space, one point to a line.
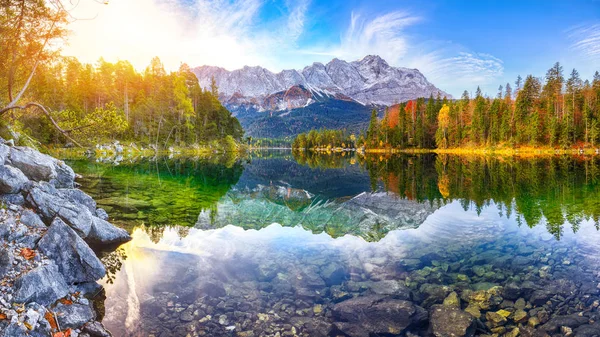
109 101
554 112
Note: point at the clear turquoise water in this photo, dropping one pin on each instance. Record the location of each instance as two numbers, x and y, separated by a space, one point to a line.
271 244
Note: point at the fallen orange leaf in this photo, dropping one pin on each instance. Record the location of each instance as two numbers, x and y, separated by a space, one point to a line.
3 316
50 318
65 301
27 253
65 333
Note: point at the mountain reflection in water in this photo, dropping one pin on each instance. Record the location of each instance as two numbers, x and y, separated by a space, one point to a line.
282 244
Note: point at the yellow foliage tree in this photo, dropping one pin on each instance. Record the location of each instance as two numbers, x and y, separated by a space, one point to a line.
441 136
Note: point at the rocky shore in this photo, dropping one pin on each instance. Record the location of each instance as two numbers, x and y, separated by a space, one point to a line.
48 272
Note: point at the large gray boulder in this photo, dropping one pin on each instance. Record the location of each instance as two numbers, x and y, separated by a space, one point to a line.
65 176
374 314
30 219
4 153
43 285
36 166
50 206
6 261
12 180
449 321
73 315
77 196
103 232
75 259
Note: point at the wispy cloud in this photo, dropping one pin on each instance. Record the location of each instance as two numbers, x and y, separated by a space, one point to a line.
228 33
383 35
296 18
450 66
464 69
585 38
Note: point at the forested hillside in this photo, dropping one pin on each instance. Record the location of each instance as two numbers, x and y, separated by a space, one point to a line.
56 99
113 101
550 112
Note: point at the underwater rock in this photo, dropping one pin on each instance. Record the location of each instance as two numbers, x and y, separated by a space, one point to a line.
333 274
451 321
378 315
571 321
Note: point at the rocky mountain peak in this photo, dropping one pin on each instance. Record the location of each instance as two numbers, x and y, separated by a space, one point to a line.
370 80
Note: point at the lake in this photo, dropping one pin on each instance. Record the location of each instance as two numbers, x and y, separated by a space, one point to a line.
289 244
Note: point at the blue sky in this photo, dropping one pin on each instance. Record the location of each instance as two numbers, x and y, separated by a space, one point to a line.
458 45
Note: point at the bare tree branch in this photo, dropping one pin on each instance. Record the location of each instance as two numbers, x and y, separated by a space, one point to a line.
45 111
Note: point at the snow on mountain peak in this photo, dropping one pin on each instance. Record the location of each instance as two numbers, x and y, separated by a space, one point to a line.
370 80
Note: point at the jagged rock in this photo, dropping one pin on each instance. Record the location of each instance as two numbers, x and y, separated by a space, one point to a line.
74 315
101 213
15 330
378 315
36 166
43 285
449 321
96 329
49 206
12 180
6 261
4 153
571 321
104 232
370 80
77 196
31 219
75 259
15 199
65 176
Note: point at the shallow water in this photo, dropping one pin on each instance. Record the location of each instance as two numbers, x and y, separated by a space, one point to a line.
276 245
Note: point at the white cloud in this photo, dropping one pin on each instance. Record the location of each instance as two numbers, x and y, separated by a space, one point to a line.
233 33
585 38
449 66
215 32
461 70
383 35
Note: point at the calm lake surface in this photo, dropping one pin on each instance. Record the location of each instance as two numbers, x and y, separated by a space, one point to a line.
281 244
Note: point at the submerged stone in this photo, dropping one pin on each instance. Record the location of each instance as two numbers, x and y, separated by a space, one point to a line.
451 321
378 315
452 300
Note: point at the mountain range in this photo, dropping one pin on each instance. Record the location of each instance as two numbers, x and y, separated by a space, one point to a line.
338 94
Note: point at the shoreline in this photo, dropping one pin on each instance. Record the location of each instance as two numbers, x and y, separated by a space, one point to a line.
48 270
524 151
